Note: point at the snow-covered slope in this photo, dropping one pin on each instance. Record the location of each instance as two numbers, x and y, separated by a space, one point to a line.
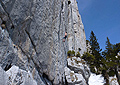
96 79
113 80
99 80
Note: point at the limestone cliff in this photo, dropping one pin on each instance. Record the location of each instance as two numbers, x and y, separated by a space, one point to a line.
76 33
32 38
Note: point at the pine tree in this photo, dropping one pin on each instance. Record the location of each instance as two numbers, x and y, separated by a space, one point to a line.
89 58
109 49
94 44
107 54
116 60
95 51
110 55
111 63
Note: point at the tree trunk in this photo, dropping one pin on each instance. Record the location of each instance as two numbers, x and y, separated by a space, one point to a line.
106 78
117 75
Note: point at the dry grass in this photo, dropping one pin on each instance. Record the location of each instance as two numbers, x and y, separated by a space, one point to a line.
77 62
76 77
72 79
69 57
72 63
113 79
71 74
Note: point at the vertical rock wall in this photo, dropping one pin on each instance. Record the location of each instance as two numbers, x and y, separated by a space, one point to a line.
76 33
32 39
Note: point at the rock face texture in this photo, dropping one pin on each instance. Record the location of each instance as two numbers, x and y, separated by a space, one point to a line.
76 33
16 76
3 77
32 38
77 71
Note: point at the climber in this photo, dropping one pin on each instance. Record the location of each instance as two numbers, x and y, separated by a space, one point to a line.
65 37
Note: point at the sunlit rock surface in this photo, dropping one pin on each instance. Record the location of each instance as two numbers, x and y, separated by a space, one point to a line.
32 38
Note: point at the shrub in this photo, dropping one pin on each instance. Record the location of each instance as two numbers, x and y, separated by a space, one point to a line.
72 53
69 53
89 58
92 69
78 54
111 73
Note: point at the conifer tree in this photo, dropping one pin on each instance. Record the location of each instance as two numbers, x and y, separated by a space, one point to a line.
116 60
109 49
112 62
95 50
94 44
108 58
110 55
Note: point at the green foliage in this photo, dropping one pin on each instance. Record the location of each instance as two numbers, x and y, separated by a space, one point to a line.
73 53
69 53
92 69
78 54
87 42
111 73
94 44
89 58
95 49
112 60
107 63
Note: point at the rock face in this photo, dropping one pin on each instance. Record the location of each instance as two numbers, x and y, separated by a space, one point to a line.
3 77
32 38
16 76
77 71
76 33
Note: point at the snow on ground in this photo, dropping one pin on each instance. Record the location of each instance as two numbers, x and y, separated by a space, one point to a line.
96 79
113 80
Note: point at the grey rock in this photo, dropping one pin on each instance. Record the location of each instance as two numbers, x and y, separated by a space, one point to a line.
3 77
18 76
33 37
76 33
74 78
39 27
78 66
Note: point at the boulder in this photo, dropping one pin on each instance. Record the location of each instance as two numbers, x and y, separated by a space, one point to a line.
3 77
17 76
74 78
78 66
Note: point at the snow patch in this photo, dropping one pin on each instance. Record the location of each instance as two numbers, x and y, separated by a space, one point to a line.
113 80
96 79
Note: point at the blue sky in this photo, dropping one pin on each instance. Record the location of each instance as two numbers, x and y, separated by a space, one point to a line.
103 18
